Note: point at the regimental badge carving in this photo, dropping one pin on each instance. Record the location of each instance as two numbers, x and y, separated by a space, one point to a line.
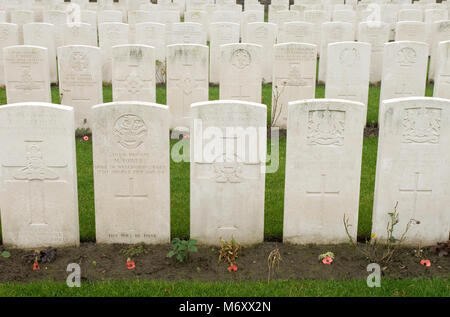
35 168
228 170
406 56
241 58
326 127
349 56
79 62
130 131
134 83
421 125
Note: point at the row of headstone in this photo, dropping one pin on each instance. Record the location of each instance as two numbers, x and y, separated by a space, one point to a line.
240 75
38 179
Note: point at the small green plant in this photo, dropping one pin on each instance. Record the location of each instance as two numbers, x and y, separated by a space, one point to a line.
182 248
82 132
326 255
133 251
375 252
6 254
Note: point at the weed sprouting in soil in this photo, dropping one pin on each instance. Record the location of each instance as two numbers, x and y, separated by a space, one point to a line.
182 248
133 251
273 263
229 252
382 253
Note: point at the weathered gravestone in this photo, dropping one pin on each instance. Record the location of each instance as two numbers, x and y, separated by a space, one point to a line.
131 172
316 17
58 18
187 33
21 17
187 80
442 83
9 36
43 34
377 34
323 170
440 33
220 33
109 16
404 70
133 73
38 188
294 77
410 31
265 35
153 34
250 17
412 172
27 74
410 15
228 151
80 34
298 32
332 32
348 72
240 72
80 81
111 34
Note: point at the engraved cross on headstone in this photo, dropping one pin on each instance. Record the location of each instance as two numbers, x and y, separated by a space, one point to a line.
415 190
323 192
36 173
132 196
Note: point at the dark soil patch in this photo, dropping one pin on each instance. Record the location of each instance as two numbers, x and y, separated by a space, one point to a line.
103 262
371 130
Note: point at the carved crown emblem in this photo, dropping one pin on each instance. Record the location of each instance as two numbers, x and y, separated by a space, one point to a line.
326 127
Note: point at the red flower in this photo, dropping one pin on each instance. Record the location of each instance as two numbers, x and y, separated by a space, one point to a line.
187 136
426 263
36 266
86 138
232 268
327 260
130 264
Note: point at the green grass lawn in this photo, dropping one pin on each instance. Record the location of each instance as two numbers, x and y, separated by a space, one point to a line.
135 288
274 200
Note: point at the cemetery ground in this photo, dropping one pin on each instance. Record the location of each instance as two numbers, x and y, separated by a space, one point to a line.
300 274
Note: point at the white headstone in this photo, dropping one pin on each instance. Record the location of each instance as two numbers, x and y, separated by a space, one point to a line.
133 69
21 17
410 31
410 15
377 34
80 80
187 80
332 32
404 70
9 36
80 34
440 33
108 16
348 72
413 150
38 179
316 17
323 170
198 17
431 16
27 74
227 183
294 77
135 17
299 32
240 72
250 17
153 34
187 33
58 18
442 83
221 33
265 35
131 172
111 34
281 17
